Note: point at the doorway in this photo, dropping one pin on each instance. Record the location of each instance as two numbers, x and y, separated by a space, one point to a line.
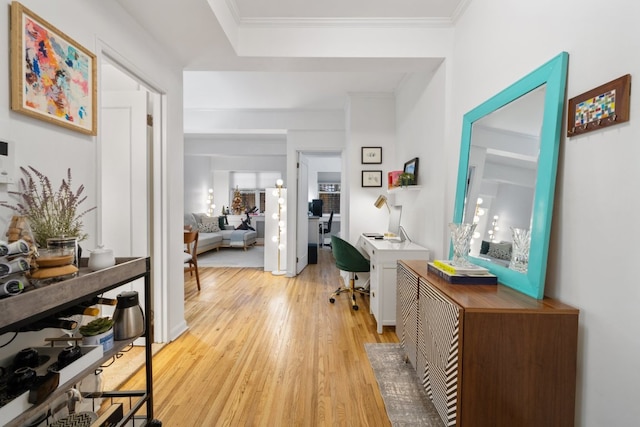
129 177
320 178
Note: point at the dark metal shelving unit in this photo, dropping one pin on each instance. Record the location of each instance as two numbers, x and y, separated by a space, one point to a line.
23 309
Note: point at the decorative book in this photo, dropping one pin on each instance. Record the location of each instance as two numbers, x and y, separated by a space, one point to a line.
459 278
394 179
447 265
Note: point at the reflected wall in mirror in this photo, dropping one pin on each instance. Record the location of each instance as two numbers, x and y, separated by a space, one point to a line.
507 171
504 159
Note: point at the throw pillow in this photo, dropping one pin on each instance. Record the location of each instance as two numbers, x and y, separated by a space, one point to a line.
209 220
208 227
500 250
222 221
199 217
190 221
484 247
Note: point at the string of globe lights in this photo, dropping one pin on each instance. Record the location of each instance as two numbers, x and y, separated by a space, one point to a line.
278 216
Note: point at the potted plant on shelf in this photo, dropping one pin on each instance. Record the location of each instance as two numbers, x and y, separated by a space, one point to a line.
50 213
406 179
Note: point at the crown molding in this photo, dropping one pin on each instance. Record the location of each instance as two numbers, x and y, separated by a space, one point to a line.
234 11
419 23
264 110
462 6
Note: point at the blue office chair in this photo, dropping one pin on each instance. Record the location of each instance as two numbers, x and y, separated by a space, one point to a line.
349 259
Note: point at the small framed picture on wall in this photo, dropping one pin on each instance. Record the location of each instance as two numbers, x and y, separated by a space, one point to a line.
372 178
371 155
412 167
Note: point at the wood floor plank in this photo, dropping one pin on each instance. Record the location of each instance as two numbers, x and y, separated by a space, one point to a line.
265 350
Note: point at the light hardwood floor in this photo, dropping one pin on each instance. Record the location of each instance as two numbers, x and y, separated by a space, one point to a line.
266 350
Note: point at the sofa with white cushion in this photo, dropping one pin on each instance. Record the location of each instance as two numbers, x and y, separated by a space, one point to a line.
215 232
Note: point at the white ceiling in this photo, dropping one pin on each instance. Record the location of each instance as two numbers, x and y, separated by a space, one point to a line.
217 77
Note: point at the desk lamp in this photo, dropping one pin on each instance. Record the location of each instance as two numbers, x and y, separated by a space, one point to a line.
381 201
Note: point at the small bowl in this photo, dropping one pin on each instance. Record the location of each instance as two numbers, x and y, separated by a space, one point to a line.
100 258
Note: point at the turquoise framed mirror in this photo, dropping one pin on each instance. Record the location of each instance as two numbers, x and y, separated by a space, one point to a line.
507 171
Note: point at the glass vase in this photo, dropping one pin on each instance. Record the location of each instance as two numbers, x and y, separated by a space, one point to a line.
461 239
63 246
520 251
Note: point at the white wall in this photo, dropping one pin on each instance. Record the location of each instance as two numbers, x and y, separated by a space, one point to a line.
498 42
371 123
204 172
198 179
421 122
52 149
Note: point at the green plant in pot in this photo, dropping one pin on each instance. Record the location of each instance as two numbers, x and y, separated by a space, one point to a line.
51 213
96 327
407 179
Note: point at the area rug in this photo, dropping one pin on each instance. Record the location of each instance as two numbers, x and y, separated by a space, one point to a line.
233 257
405 400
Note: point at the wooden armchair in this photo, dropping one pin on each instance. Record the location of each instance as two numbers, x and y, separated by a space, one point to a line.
191 254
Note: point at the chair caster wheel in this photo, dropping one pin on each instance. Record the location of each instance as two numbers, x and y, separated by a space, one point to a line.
355 307
332 300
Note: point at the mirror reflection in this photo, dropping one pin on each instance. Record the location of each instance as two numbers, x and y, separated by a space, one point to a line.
515 138
502 170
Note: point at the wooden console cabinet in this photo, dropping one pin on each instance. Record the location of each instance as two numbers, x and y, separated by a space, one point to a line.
488 355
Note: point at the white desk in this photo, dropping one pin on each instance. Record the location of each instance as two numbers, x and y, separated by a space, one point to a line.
384 256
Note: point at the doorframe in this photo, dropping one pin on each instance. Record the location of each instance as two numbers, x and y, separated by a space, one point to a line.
293 153
158 220
302 230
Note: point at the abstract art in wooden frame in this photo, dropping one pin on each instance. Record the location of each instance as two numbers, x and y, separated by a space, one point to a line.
606 105
53 78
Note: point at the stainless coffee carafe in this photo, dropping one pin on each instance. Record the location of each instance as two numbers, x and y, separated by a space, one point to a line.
128 319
